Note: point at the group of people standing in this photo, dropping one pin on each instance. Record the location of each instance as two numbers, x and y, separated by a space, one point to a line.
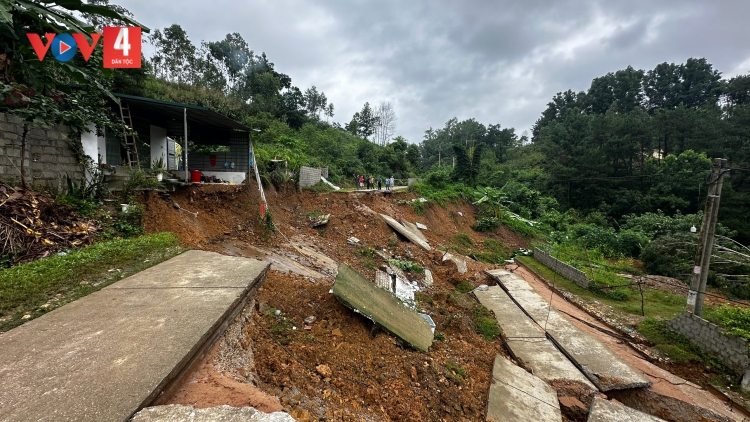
370 181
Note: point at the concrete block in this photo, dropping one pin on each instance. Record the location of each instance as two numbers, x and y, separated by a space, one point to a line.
516 395
11 118
607 411
9 127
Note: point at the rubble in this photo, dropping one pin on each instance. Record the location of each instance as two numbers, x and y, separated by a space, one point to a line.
33 226
320 220
398 227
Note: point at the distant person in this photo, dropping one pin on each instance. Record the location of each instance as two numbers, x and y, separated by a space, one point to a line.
361 182
393 182
380 182
356 182
371 181
387 184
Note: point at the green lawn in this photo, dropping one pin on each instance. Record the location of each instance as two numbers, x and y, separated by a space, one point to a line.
657 303
30 290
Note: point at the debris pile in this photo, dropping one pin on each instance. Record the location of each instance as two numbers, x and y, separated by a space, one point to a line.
33 226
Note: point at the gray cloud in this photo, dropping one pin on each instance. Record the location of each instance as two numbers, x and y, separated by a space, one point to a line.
497 61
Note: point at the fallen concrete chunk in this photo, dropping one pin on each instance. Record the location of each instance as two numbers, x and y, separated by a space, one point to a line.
176 412
604 368
395 225
526 340
382 307
383 280
352 241
516 395
428 281
460 263
607 411
421 226
413 228
321 220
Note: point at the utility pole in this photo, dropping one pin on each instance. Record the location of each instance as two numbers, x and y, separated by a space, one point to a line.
699 276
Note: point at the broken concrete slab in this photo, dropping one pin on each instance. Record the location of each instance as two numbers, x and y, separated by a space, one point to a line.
607 370
383 280
320 220
516 395
398 227
527 341
421 226
460 263
608 411
180 413
106 355
428 280
382 307
414 229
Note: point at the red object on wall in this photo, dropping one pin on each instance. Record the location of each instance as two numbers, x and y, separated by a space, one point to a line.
195 176
212 160
262 209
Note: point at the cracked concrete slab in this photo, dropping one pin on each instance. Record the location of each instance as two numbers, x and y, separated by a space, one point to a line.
608 411
516 395
414 229
395 225
382 307
106 355
527 341
607 370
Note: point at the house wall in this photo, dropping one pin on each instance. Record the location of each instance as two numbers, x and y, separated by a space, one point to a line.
48 156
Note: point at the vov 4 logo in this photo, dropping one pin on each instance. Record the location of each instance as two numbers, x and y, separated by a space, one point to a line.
122 46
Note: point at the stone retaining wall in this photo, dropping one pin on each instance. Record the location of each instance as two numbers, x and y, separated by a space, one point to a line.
48 155
710 337
565 270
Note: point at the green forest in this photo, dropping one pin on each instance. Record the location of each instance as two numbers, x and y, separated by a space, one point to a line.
619 170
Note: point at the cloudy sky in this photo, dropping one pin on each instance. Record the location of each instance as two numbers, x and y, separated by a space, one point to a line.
498 61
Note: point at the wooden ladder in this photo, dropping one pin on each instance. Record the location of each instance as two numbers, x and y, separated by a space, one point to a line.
131 149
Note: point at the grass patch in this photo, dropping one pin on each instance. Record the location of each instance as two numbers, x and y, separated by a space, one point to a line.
734 319
484 323
455 372
657 303
319 187
40 286
464 287
406 265
462 240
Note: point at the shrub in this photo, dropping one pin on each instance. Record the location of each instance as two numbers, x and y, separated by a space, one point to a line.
464 287
486 224
406 265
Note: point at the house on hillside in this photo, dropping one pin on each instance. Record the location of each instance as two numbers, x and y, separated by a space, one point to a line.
217 145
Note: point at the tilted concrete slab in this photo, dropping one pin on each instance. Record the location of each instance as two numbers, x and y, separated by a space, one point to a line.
527 341
382 307
460 263
608 411
516 395
105 356
414 229
395 225
604 368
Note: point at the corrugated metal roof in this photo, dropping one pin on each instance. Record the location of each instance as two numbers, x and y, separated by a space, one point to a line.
169 114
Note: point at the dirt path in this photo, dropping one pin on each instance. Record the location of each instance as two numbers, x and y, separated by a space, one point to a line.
664 383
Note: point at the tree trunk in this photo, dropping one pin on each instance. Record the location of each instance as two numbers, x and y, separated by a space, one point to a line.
24 185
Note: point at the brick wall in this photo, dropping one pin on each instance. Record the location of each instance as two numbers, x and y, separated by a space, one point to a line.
48 156
309 176
710 337
565 270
